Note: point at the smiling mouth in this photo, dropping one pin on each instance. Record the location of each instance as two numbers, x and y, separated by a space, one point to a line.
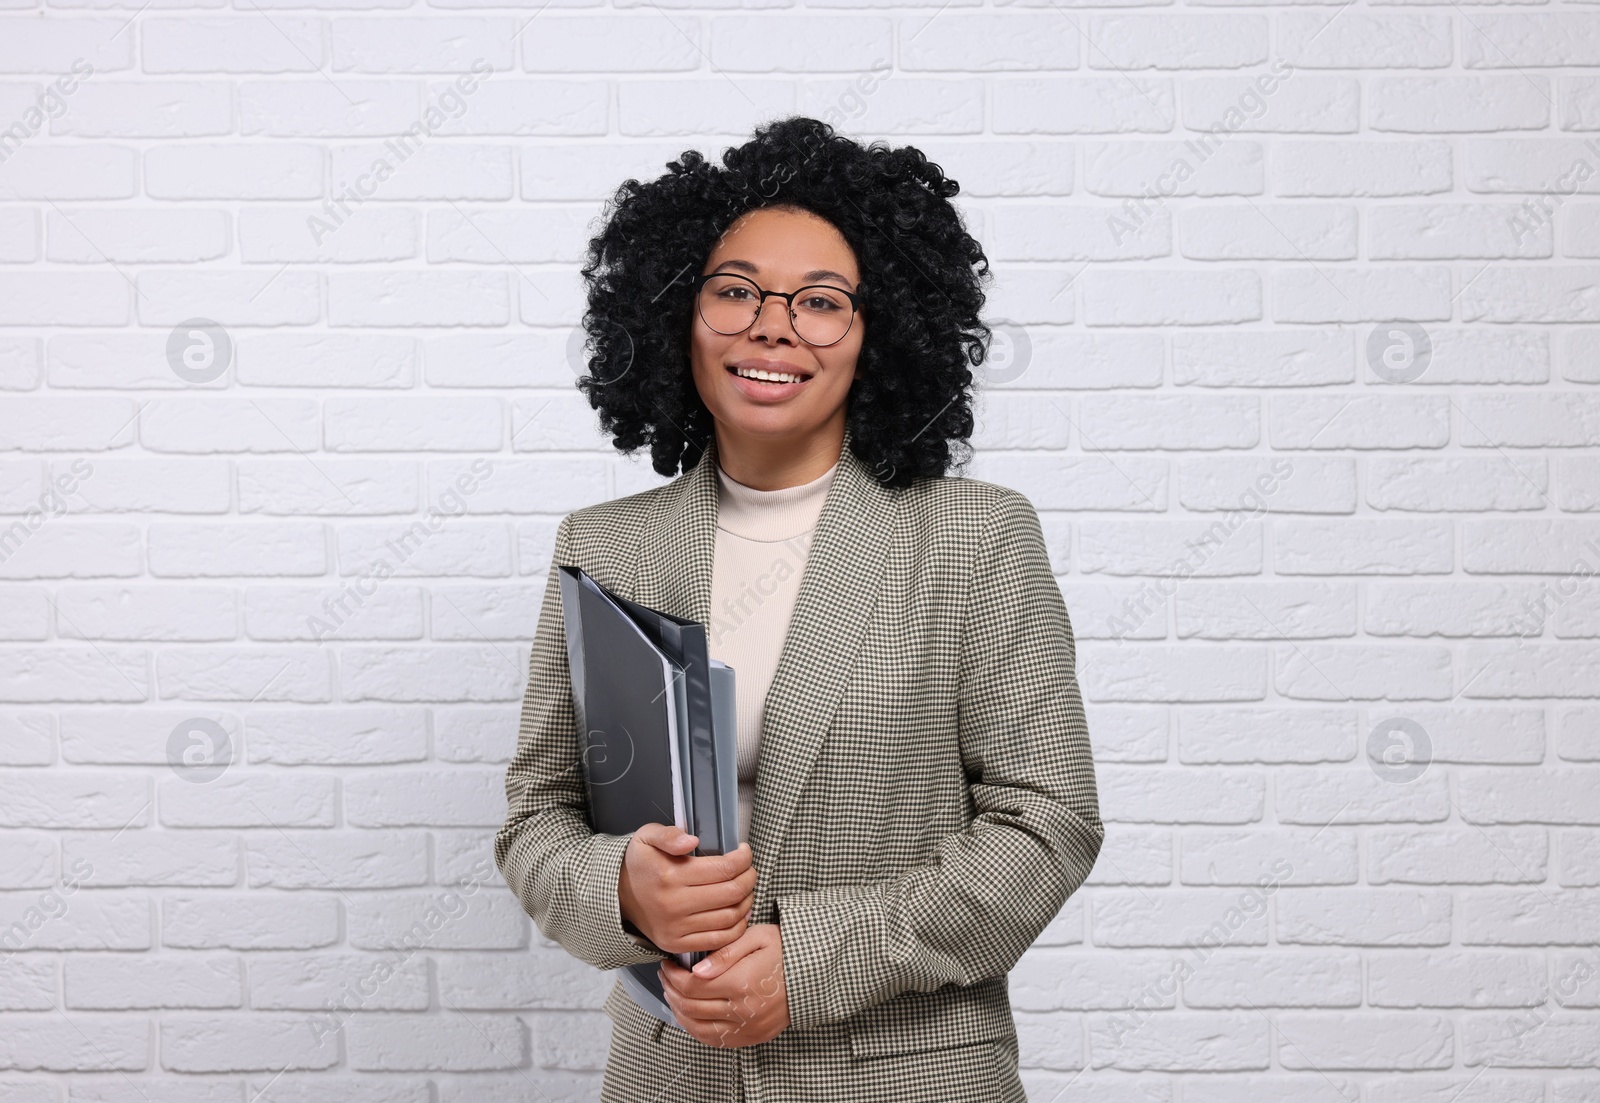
759 376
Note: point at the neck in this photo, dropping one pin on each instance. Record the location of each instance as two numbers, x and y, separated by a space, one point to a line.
774 463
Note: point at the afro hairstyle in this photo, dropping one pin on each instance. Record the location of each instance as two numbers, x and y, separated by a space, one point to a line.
910 406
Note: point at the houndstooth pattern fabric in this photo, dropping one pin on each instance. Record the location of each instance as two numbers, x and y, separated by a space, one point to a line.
925 797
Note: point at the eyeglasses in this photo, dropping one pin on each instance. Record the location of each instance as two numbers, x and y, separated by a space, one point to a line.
821 314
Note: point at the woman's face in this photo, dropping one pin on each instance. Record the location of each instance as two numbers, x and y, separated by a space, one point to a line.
781 250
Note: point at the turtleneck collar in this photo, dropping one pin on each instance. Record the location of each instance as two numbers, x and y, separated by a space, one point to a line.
771 515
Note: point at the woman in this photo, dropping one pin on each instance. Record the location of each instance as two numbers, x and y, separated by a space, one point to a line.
794 332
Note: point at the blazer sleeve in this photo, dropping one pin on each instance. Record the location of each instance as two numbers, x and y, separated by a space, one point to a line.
969 915
564 874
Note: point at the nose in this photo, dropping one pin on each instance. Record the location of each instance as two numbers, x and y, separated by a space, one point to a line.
757 327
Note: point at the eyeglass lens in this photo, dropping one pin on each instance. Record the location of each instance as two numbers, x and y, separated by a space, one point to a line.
822 315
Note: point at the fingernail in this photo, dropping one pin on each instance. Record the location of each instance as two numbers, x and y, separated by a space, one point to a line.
702 967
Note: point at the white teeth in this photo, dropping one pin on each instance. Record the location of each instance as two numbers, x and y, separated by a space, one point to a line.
767 376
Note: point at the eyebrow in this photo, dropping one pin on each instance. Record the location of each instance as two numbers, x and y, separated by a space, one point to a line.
810 277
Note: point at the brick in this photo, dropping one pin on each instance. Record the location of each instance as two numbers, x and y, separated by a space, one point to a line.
1443 232
1177 41
1154 796
281 170
1527 670
1266 610
1239 736
1303 104
1245 978
1346 421
1349 295
1155 673
1559 796
133 612
327 487
1084 105
1203 919
1131 484
168 109
1365 1040
95 171
1173 297
1182 1042
659 42
1541 165
1078 233
288 236
418 299
1144 422
1148 172
1246 486
341 736
53 46
1363 917
1527 545
1129 734
1275 358
1534 295
1440 856
116 982
320 109
210 425
138 237
1354 794
1276 857
321 860
1452 485
1454 979
433 44
1335 40
381 424
65 299
1530 40
281 675
232 44
429 674
1580 102
1530 917
1269 231
1458 104
1357 168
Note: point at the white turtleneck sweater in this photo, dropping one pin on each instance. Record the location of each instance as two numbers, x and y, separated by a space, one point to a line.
763 538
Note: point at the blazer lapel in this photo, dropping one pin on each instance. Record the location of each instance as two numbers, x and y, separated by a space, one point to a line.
838 589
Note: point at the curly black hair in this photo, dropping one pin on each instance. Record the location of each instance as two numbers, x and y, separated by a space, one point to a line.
910 406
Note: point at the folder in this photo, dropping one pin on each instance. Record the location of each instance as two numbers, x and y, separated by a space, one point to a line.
657 732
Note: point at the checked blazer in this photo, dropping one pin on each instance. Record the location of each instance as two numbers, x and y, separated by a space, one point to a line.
925 797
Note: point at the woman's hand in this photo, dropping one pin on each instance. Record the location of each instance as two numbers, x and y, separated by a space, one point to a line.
735 997
679 901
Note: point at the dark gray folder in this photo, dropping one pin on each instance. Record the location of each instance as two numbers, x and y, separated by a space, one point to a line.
656 722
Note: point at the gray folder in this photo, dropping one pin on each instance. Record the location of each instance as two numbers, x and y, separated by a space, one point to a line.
657 730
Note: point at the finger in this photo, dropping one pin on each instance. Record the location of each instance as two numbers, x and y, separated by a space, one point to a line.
707 1009
671 840
708 869
671 973
716 905
716 1034
706 941
720 961
735 895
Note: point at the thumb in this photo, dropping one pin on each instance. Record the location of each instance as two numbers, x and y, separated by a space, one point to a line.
671 840
719 961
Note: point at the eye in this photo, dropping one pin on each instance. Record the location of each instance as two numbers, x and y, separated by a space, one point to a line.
821 302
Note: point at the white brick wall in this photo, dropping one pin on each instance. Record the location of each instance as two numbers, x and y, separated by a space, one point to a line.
1300 312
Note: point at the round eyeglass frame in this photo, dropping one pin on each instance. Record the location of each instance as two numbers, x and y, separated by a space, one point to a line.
855 298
